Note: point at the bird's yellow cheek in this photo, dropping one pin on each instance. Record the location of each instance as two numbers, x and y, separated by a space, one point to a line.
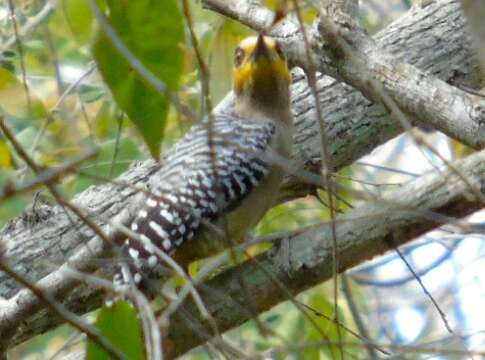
242 77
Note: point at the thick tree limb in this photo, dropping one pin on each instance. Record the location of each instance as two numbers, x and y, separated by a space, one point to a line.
306 259
348 52
343 50
42 239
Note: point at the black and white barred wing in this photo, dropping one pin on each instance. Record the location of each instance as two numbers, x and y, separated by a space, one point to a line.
191 190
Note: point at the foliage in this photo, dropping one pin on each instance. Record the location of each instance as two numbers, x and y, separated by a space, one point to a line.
153 32
119 324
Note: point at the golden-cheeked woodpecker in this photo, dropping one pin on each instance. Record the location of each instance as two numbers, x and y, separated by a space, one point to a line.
227 182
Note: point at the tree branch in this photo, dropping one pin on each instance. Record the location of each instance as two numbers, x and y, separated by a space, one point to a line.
347 52
343 50
362 234
42 239
31 24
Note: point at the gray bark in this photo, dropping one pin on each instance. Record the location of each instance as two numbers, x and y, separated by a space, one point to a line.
304 260
432 38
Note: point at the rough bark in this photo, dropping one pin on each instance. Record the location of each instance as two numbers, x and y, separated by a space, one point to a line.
305 260
341 48
432 38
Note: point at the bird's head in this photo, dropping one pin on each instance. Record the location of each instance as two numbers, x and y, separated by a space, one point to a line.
261 74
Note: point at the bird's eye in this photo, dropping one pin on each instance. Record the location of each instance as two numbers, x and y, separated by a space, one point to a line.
280 52
238 56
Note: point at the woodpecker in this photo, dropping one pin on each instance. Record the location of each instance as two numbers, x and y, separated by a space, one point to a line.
219 175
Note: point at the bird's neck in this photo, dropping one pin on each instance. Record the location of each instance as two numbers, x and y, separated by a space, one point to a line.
276 108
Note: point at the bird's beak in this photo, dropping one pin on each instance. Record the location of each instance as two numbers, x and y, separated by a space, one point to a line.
261 49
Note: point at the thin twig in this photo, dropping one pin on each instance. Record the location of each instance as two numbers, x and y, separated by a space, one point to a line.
358 319
47 176
72 319
327 162
425 290
31 24
119 120
37 169
20 49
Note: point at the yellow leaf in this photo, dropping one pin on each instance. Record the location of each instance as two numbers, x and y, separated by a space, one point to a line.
13 98
5 157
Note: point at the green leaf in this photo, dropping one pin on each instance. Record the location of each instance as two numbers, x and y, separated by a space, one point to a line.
120 325
318 302
79 18
153 31
91 93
